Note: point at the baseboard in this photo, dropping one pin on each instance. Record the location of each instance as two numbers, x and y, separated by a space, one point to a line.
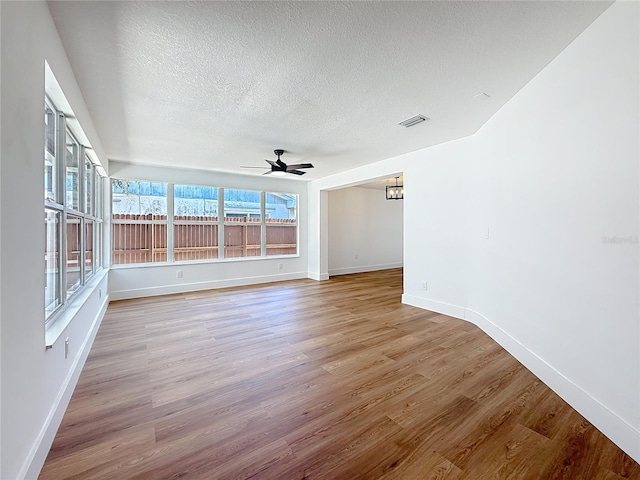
363 268
615 428
42 445
198 286
318 276
434 306
608 422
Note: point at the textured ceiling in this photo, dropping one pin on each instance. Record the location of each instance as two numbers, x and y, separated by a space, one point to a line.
381 184
217 85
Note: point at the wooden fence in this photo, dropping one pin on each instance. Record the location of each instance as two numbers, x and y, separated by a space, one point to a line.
143 238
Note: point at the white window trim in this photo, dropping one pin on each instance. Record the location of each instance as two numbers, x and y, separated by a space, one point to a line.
171 222
55 320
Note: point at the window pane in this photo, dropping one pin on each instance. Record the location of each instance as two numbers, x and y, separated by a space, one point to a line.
241 206
192 200
281 206
97 246
241 209
241 240
139 213
281 223
130 196
74 254
72 172
88 248
282 239
195 233
133 242
50 184
88 186
97 194
52 300
198 241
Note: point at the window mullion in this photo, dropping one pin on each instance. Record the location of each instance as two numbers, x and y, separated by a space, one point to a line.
62 199
263 227
170 215
82 208
220 223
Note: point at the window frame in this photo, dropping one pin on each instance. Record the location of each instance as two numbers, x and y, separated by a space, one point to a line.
245 220
52 156
51 311
152 222
222 220
204 221
272 221
64 207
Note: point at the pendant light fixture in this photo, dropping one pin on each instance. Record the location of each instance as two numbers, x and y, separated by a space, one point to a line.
395 192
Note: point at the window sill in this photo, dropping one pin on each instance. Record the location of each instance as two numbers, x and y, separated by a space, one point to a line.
63 318
199 262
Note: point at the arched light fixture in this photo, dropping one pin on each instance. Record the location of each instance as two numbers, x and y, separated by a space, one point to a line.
395 192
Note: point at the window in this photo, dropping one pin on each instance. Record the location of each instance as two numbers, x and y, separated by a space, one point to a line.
195 223
281 223
73 253
72 187
52 215
72 221
98 213
88 247
242 226
50 165
52 257
207 223
87 197
139 230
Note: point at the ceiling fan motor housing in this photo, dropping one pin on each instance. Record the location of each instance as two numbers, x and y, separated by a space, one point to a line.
280 168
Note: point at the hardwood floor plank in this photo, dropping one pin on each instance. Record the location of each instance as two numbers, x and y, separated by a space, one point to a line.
314 380
92 454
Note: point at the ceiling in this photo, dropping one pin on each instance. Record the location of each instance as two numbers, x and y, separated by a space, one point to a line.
381 184
219 85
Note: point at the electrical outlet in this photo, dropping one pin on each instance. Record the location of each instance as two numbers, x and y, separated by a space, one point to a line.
487 234
99 293
424 284
66 348
280 266
357 256
178 273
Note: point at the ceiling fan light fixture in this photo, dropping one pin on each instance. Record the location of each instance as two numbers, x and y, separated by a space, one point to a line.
278 173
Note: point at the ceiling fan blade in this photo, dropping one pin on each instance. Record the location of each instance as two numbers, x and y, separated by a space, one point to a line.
252 166
296 172
273 164
300 165
268 173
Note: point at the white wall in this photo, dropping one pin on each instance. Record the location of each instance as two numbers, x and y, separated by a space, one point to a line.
554 172
126 282
318 210
551 175
36 383
552 178
363 224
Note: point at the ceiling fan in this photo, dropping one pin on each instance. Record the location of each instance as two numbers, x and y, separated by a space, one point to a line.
279 168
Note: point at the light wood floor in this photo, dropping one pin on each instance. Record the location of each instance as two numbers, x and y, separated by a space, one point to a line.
314 380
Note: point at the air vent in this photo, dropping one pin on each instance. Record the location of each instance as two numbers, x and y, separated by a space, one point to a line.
410 122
